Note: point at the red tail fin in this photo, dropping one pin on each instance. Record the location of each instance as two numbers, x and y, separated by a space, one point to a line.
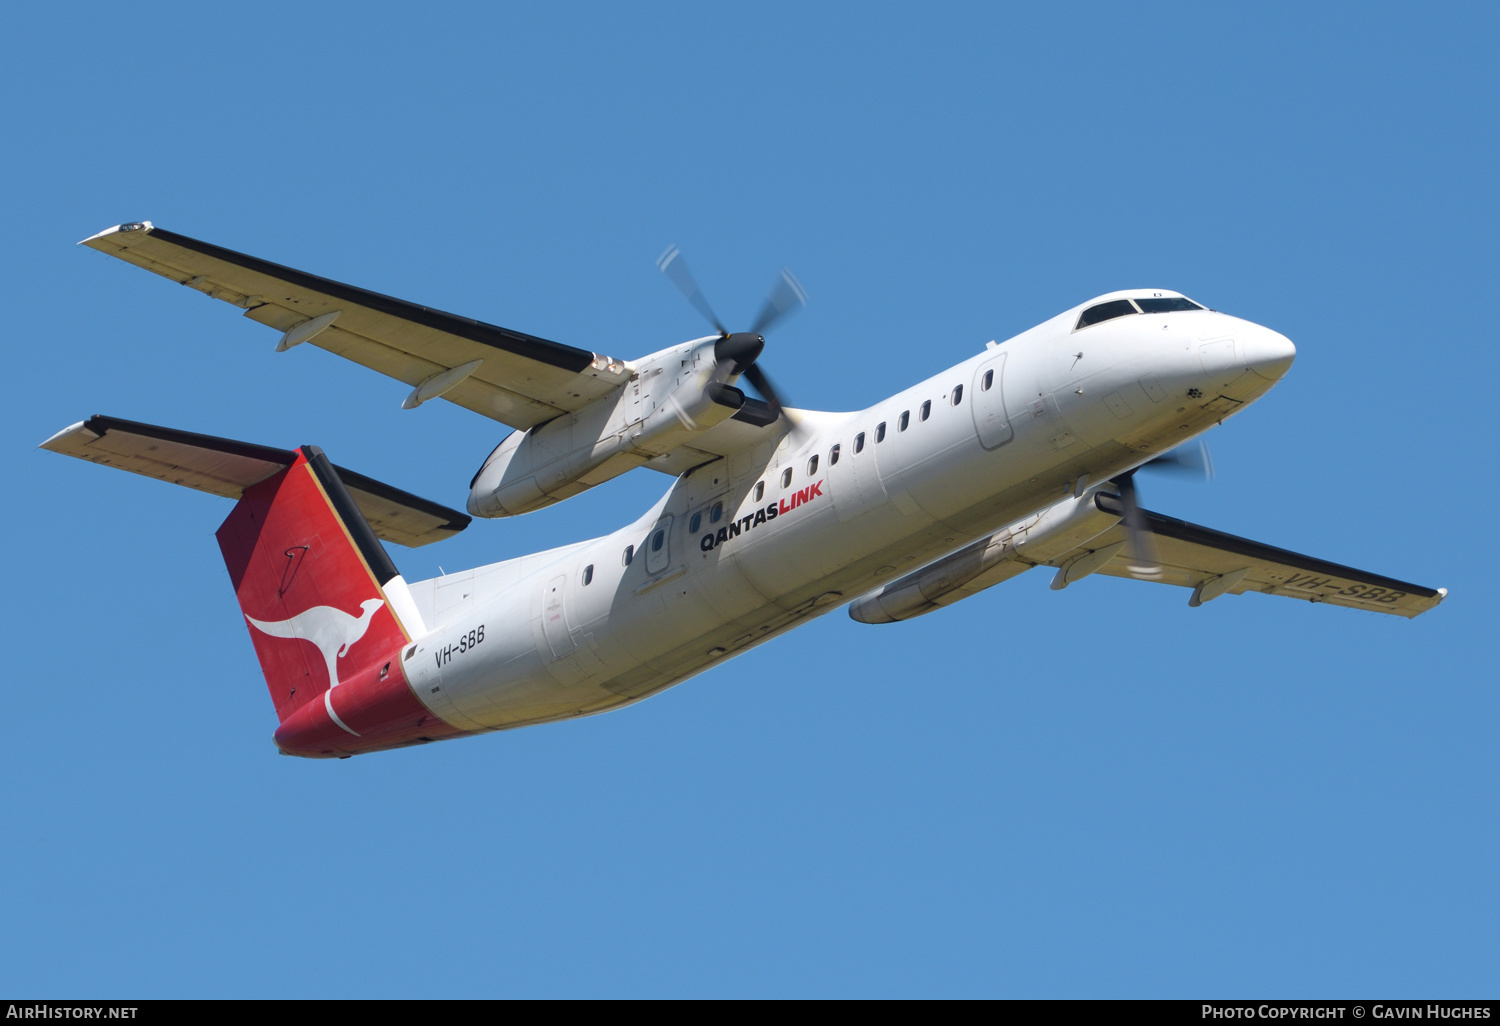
309 577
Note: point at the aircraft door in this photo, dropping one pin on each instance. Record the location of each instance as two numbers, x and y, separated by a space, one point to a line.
554 618
659 546
991 419
854 481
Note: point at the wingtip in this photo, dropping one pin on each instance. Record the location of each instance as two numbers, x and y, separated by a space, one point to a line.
71 429
1437 600
128 226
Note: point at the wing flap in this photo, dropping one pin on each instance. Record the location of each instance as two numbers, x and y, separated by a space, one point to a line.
225 467
523 380
1198 557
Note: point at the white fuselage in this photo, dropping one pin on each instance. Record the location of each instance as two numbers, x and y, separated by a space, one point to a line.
583 629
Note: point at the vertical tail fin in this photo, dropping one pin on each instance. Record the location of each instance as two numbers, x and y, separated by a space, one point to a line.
310 576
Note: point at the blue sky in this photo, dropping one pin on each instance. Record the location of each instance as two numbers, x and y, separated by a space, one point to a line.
1099 792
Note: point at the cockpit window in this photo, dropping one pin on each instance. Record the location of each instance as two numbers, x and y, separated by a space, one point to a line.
1166 304
1105 311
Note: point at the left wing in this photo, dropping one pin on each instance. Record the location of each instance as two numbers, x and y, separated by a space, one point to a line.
506 375
1213 563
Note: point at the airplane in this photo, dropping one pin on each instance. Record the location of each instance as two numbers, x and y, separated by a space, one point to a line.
1023 455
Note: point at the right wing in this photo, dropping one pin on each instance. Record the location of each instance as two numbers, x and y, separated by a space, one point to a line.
1211 563
506 375
1214 563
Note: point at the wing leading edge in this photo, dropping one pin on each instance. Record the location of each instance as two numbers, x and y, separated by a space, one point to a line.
506 375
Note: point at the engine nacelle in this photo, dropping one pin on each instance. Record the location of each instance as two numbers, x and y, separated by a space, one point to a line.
987 562
649 416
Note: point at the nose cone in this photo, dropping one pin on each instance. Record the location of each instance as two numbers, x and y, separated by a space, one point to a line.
1268 353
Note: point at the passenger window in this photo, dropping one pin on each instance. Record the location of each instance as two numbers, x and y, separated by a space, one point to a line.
786 477
926 409
657 539
904 420
1105 311
588 575
958 394
812 466
833 455
695 523
629 554
987 381
760 490
880 431
716 514
859 443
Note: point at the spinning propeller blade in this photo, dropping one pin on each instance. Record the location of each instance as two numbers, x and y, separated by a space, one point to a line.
1193 458
676 269
762 384
785 297
1143 561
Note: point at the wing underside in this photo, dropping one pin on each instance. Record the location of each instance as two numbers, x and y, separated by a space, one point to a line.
1214 563
506 375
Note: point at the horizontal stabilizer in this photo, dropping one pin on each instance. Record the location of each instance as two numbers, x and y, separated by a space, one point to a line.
226 467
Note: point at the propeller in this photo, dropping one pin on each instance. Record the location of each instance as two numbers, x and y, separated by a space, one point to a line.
740 349
1143 562
676 270
786 297
1192 459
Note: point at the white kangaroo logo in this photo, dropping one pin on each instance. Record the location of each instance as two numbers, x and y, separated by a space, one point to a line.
332 630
